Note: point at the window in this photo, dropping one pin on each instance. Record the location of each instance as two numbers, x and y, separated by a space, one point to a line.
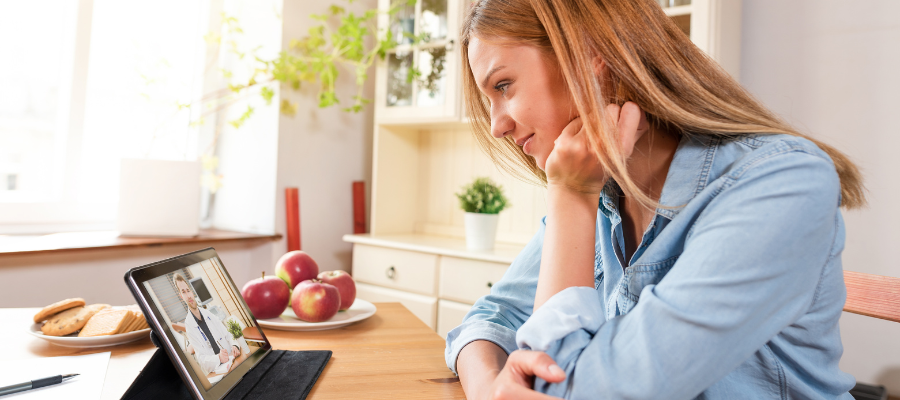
91 82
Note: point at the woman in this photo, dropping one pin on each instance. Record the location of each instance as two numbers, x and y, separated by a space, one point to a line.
711 268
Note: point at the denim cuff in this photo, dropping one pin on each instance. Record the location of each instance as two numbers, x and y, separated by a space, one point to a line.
568 311
469 332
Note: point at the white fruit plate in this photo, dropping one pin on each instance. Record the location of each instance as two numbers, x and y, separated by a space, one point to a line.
359 311
95 341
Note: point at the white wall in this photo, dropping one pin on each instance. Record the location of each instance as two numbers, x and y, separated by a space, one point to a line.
832 68
322 151
98 275
246 201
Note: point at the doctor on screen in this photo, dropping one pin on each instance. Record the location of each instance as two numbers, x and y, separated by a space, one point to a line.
215 348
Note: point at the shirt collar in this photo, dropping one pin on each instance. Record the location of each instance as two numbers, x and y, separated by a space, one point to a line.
688 174
609 199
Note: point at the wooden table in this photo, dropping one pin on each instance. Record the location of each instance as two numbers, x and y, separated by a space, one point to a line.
391 355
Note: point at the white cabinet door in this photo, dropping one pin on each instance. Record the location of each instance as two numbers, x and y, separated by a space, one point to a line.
467 280
423 307
410 271
450 315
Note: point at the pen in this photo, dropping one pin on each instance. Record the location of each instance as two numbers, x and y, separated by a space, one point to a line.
37 383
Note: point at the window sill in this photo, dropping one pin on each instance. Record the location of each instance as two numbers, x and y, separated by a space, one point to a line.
81 241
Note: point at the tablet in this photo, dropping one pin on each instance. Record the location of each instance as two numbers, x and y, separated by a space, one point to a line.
201 320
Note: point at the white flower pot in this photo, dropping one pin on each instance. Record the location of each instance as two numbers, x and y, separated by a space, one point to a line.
481 231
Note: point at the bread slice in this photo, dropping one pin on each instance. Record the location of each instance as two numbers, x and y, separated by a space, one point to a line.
142 325
135 323
107 322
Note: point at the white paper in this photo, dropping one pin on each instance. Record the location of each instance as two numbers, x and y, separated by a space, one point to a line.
87 385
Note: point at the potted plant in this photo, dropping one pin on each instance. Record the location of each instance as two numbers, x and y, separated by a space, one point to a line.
236 329
482 200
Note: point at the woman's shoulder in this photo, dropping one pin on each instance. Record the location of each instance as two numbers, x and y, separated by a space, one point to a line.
737 156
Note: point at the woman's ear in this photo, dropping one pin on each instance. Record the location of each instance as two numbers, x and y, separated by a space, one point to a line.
599 66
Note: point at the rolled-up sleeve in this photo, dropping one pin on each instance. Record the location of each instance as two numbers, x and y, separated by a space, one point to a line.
750 267
497 316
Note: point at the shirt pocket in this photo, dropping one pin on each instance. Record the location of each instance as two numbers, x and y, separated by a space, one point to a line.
639 276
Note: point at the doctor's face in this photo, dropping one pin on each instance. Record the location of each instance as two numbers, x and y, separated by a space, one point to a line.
186 294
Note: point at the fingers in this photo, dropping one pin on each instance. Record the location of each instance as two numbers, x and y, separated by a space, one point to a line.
536 363
630 122
632 125
571 129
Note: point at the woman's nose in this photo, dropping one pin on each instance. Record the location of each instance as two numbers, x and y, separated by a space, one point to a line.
501 123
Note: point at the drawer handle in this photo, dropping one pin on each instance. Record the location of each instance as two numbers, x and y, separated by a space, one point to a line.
490 285
390 272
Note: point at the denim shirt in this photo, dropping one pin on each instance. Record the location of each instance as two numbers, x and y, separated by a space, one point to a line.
734 292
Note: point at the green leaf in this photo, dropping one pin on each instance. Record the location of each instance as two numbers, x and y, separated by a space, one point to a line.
288 108
482 196
242 119
327 99
267 94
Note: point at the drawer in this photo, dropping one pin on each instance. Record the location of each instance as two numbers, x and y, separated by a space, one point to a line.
398 269
450 315
467 280
423 307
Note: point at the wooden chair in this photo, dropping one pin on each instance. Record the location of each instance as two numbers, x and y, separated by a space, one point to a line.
873 295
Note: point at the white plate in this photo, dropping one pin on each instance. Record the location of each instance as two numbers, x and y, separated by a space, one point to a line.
95 341
359 311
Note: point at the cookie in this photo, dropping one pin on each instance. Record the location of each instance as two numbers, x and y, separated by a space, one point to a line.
56 308
71 320
108 322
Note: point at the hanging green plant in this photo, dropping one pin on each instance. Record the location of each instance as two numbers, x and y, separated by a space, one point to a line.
337 43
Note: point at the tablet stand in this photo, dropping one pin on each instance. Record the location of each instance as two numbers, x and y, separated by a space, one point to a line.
282 374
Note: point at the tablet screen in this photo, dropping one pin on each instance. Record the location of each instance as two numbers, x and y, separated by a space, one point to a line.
204 317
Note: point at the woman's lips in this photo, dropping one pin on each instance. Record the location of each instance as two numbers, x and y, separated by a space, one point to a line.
526 148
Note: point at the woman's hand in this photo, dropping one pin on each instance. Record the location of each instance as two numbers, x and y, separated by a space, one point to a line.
517 377
574 182
573 165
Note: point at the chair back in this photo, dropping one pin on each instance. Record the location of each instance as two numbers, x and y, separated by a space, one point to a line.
872 295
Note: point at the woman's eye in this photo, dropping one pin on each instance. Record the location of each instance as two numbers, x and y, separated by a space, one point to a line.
501 87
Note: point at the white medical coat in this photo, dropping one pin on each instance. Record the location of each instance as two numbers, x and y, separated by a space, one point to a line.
208 360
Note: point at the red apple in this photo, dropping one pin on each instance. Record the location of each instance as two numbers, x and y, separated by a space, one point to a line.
344 283
295 267
267 296
314 301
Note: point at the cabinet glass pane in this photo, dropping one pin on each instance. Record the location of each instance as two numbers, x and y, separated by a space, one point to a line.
432 80
684 23
403 24
399 87
434 19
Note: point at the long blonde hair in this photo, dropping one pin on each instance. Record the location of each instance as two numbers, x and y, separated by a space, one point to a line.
649 60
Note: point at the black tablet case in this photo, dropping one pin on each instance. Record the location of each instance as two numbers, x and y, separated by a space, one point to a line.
281 374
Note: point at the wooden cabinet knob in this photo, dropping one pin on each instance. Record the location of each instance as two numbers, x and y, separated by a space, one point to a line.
390 272
490 285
